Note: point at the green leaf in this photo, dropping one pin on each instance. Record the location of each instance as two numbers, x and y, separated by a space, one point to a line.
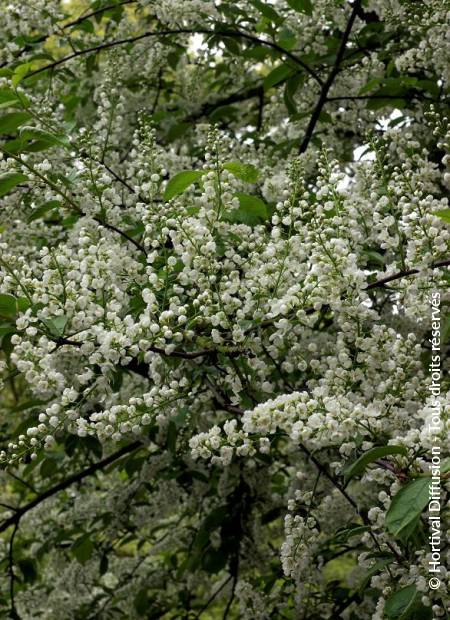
56 325
20 72
287 39
356 468
43 138
82 548
9 180
10 122
28 568
252 205
301 6
445 465
86 26
172 437
141 602
8 97
180 182
290 89
277 75
245 172
444 214
267 10
8 306
259 52
42 209
374 570
407 505
401 603
214 560
252 211
47 468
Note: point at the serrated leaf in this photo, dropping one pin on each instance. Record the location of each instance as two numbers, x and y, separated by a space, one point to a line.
180 182
13 120
301 6
252 205
82 548
28 568
47 468
56 325
290 89
8 305
44 138
359 466
252 210
214 560
374 570
8 98
245 172
267 10
10 180
277 75
141 602
407 505
401 603
20 72
42 209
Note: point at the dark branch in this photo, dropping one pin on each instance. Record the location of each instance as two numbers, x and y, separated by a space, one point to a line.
329 82
233 34
405 273
89 471
103 9
207 108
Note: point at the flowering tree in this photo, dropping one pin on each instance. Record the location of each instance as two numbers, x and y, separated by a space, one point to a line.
223 309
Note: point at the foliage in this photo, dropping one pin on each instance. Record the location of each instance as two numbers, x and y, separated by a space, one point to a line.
221 227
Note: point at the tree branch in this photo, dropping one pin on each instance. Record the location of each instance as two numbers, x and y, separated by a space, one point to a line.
404 274
328 83
92 469
207 108
233 34
103 9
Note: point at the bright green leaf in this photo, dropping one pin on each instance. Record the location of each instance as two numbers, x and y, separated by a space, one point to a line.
82 549
180 182
359 466
8 305
277 75
252 205
252 210
43 137
20 72
10 180
44 208
8 98
401 603
245 172
13 120
407 505
301 6
56 325
267 10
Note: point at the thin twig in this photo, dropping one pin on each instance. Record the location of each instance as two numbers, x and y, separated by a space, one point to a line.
89 471
233 34
14 613
328 83
405 273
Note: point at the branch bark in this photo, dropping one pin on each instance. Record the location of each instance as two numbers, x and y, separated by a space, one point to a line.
78 477
329 82
233 34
